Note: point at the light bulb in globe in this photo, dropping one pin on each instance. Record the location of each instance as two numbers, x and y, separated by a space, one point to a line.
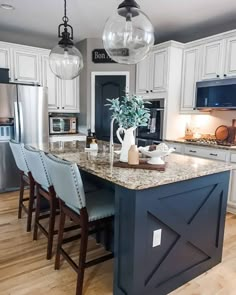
128 34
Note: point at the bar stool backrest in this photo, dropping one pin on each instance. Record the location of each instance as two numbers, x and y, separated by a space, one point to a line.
19 156
37 166
67 181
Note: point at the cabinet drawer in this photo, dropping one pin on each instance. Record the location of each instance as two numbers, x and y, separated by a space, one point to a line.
178 147
233 158
208 153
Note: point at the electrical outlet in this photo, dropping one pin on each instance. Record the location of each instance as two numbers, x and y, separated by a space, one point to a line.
156 241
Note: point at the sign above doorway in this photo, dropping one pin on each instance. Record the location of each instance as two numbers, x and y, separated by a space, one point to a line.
100 56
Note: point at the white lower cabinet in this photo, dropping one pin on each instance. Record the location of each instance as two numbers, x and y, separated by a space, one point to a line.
209 153
177 147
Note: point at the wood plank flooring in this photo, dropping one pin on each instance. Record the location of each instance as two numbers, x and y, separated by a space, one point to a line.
24 269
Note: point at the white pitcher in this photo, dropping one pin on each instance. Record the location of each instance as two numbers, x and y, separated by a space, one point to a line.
126 142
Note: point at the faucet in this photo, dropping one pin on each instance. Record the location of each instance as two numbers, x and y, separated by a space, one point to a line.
111 136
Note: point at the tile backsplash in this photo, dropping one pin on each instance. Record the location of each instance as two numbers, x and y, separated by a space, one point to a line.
207 123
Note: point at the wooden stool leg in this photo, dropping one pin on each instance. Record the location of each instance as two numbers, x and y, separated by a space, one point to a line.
51 227
22 188
37 213
108 236
82 258
60 237
31 204
98 234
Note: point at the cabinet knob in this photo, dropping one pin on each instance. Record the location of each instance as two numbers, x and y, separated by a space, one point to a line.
151 90
58 108
217 76
147 91
15 79
225 75
63 108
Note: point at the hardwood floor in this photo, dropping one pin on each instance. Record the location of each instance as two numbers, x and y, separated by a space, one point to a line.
24 269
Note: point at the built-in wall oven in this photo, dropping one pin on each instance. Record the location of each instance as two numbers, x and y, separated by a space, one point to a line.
62 125
153 133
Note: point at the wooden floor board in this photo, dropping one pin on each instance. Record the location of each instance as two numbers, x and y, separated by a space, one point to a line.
25 271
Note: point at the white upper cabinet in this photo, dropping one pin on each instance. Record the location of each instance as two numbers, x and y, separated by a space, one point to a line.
142 76
230 59
26 66
70 95
151 73
190 75
212 59
158 70
52 82
5 57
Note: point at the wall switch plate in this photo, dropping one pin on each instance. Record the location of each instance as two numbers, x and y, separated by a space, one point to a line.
156 241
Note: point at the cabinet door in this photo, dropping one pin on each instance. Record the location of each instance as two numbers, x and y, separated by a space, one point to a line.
189 78
5 58
212 60
26 66
52 82
70 95
142 76
158 70
232 196
230 58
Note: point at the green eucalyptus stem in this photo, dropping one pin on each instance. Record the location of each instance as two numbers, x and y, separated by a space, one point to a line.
129 111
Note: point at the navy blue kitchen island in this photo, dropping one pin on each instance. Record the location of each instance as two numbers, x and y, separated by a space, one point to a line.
169 226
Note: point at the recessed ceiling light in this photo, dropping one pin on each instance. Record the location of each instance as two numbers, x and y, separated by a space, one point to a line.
7 6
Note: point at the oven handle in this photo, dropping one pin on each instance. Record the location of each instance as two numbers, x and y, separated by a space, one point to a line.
157 109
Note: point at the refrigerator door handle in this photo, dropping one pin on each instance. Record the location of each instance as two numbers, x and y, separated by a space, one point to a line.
16 123
21 121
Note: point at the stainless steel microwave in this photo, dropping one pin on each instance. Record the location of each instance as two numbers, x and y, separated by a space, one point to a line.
217 94
63 125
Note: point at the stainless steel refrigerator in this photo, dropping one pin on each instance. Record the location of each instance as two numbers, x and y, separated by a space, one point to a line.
24 109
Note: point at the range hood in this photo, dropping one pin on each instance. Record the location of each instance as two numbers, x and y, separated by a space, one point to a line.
217 94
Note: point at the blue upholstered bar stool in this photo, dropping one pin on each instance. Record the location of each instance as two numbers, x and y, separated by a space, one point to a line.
26 179
45 190
86 209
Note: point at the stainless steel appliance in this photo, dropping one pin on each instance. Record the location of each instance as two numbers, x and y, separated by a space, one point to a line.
153 133
23 109
63 125
217 94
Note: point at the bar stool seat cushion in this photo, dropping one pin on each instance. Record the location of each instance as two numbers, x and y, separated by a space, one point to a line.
99 204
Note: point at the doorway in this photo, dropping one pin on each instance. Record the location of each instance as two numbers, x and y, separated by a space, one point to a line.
106 85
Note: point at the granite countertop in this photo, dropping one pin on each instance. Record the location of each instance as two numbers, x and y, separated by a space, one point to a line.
179 167
216 146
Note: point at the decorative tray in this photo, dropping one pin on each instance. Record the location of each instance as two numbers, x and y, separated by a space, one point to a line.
142 165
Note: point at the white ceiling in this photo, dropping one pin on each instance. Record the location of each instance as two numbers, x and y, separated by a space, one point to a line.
34 22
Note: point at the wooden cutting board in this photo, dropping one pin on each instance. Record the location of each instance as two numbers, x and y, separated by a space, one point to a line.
222 132
142 165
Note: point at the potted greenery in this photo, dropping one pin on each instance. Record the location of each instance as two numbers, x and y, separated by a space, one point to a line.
130 112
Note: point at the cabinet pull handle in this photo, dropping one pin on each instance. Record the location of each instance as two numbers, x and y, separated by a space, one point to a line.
191 151
215 155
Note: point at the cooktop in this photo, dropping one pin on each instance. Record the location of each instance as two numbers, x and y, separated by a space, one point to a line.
211 141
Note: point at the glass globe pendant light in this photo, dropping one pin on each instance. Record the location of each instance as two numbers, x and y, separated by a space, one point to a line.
65 60
128 34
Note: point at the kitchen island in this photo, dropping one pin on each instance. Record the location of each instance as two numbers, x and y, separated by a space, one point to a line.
169 226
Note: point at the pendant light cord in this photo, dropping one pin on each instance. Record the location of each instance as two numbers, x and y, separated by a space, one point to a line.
65 18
